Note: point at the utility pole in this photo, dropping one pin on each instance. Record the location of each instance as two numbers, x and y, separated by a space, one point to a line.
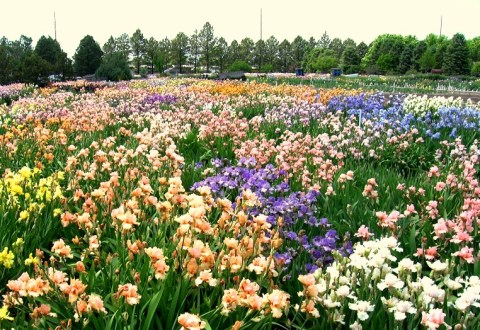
441 23
55 25
261 24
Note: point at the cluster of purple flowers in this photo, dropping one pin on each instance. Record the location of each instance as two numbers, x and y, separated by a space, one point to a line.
301 225
160 99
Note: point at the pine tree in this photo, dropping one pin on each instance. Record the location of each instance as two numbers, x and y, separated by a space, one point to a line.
456 57
88 56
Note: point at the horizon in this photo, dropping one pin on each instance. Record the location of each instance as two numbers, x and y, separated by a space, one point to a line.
283 22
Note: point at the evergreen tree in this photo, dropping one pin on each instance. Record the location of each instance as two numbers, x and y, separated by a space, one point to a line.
179 50
350 60
114 67
233 52
88 56
324 41
271 53
151 53
194 50
362 50
245 50
138 45
259 54
406 59
48 49
299 47
336 45
456 57
284 56
221 53
207 44
35 69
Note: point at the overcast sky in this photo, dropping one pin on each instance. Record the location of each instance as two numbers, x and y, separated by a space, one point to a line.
361 20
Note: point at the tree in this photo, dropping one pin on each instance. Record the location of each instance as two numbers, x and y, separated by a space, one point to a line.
427 62
337 46
138 45
475 69
456 57
110 46
122 45
48 49
179 50
385 63
114 67
233 52
440 54
474 49
325 62
362 50
245 50
240 66
419 50
88 56
35 69
5 65
207 43
221 53
284 55
64 67
162 61
12 56
299 46
324 41
312 43
272 52
350 60
387 46
259 54
406 59
349 42
194 50
151 53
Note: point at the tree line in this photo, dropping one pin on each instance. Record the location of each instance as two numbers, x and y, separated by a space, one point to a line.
202 51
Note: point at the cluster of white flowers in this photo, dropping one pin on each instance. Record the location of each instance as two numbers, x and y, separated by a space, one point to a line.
421 105
373 273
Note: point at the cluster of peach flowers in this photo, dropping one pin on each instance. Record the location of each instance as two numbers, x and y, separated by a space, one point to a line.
247 296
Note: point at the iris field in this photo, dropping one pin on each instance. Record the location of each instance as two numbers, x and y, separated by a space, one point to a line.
197 204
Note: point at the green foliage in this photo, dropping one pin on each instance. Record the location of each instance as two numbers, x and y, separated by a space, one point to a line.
385 53
267 68
138 45
475 69
48 49
179 50
240 66
427 60
385 63
114 67
362 50
325 63
406 59
35 69
88 56
456 57
350 60
208 43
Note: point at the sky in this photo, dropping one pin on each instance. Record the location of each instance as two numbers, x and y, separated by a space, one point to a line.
361 20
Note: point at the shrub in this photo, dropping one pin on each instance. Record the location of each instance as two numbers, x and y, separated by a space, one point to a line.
240 66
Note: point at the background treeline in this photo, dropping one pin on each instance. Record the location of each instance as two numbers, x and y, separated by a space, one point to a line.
204 52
